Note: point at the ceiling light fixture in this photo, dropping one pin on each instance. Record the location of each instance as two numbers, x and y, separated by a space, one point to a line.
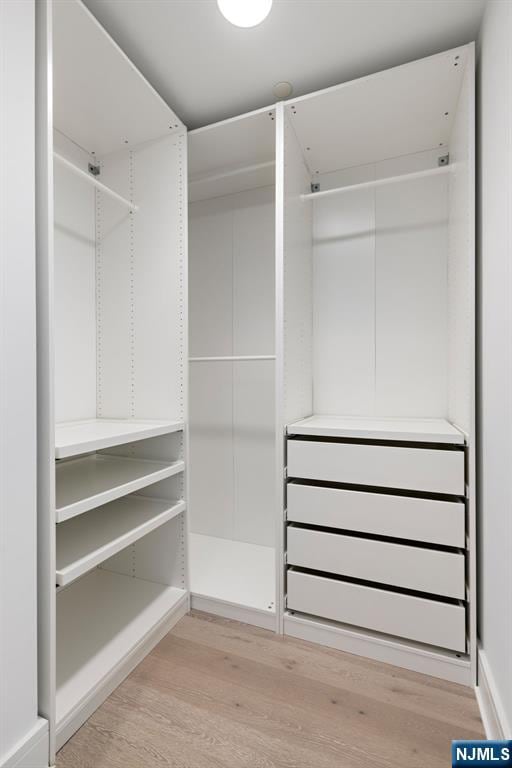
245 13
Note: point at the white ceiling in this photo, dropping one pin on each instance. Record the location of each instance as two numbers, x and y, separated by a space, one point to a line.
208 70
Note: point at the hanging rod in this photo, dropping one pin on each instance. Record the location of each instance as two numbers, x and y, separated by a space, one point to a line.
233 172
230 358
379 182
95 183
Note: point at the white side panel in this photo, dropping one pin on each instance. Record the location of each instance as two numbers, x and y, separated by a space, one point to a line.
18 432
46 620
297 278
380 296
462 312
461 262
75 288
140 270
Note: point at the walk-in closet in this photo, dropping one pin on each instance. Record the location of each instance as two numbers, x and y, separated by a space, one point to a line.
256 367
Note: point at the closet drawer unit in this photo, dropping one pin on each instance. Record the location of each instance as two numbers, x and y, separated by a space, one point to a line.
402 517
397 565
415 469
415 618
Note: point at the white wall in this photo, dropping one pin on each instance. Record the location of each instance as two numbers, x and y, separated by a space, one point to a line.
19 724
495 351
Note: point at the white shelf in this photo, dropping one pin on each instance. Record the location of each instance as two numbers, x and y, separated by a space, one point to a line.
232 571
87 541
85 483
75 437
372 428
101 620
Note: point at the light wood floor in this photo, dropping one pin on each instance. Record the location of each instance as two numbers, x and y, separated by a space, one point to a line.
219 694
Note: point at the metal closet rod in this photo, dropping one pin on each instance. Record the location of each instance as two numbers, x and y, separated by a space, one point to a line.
379 182
230 358
95 183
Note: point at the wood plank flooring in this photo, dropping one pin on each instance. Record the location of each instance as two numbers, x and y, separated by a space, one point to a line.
218 694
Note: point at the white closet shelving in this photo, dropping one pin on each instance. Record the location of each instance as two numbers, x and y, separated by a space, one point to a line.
372 428
377 244
92 641
90 481
75 437
112 288
87 541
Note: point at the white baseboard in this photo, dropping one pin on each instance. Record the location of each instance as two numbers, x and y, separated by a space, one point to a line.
445 665
492 712
32 751
77 717
254 616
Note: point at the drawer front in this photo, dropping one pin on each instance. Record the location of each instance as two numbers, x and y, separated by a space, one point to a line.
414 618
403 517
415 469
398 565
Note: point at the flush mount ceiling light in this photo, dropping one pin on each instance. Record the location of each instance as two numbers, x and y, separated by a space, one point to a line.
245 13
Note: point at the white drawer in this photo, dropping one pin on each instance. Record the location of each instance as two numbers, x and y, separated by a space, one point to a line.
415 618
415 469
397 565
403 517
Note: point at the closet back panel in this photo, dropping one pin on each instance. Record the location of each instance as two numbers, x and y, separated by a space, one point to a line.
140 274
380 293
75 291
232 471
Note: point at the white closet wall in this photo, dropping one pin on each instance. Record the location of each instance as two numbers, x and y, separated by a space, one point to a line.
380 292
23 734
232 403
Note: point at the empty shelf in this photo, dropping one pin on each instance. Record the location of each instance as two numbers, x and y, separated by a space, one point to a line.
102 619
375 428
232 571
75 437
88 540
88 482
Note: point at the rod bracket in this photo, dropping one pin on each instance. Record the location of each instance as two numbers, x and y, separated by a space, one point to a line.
443 160
315 187
93 169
